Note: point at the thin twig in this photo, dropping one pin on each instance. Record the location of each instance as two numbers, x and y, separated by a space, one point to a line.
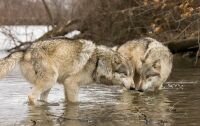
65 118
49 13
124 10
7 32
183 31
21 47
197 54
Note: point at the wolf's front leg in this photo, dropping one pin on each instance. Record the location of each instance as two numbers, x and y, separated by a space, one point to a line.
71 90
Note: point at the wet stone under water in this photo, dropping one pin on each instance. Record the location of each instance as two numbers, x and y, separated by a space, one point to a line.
176 105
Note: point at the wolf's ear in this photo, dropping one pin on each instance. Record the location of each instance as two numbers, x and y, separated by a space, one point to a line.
114 48
116 59
104 69
157 64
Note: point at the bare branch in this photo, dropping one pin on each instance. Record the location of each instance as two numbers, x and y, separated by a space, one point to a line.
198 51
8 33
49 13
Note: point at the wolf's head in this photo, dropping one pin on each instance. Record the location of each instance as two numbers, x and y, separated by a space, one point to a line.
113 68
122 71
150 75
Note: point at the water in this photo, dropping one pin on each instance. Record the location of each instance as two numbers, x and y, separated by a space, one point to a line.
176 105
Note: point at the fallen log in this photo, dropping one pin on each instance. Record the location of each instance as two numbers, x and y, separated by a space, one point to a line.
178 46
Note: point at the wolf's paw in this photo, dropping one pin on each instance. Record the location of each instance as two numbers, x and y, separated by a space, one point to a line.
32 100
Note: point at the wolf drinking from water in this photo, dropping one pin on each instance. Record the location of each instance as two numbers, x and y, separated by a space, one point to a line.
70 62
152 61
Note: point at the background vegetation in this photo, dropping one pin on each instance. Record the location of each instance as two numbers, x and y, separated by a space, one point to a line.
108 22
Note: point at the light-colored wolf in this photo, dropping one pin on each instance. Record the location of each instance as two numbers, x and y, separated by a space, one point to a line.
152 61
70 62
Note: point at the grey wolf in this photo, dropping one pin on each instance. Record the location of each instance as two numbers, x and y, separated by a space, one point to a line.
152 62
69 62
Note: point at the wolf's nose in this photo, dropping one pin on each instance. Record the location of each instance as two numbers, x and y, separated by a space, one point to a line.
141 90
132 88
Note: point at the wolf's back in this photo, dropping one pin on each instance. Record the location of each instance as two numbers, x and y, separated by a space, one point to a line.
8 63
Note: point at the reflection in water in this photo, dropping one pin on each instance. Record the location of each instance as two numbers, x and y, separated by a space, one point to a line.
152 108
38 115
117 109
100 105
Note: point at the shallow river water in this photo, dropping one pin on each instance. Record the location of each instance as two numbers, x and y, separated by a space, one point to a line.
178 104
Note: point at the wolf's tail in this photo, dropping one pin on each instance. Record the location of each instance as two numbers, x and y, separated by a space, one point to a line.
8 63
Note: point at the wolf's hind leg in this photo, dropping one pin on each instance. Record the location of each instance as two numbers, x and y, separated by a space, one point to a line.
42 88
34 95
44 95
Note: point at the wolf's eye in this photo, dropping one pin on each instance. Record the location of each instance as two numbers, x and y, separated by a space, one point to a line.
152 75
149 79
121 70
148 76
